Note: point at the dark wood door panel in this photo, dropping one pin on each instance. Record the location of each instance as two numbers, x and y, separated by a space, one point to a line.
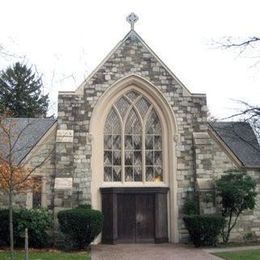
144 217
126 218
135 218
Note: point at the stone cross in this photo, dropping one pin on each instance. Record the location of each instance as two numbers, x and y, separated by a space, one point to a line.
132 19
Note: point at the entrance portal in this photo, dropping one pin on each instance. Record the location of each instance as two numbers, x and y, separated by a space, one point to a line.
134 215
135 218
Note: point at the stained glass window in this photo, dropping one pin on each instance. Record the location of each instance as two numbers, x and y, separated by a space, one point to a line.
133 141
112 148
153 148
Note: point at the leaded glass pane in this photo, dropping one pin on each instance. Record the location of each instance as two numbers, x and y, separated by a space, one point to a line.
129 158
117 142
157 142
128 142
137 142
149 158
122 105
108 142
112 125
153 125
132 95
133 124
149 142
108 158
137 174
117 173
108 174
149 174
129 174
138 158
157 158
142 105
117 158
158 174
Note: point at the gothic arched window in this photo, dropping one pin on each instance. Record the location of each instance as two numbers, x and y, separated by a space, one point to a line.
133 141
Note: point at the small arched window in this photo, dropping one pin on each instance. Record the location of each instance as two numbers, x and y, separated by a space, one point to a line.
133 141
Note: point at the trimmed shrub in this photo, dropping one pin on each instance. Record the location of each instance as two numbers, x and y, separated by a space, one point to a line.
84 206
191 207
36 220
80 225
204 229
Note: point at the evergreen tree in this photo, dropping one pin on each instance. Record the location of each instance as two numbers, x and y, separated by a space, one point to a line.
20 92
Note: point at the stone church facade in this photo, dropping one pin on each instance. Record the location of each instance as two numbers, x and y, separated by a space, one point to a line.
134 142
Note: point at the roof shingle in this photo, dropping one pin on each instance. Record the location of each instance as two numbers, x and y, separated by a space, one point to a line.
25 134
241 140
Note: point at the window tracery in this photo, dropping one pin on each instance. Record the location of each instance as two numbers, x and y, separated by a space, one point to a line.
133 141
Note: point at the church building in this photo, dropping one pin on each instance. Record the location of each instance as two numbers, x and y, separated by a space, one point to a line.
135 143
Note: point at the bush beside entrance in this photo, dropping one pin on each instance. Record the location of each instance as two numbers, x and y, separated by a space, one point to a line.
204 229
80 225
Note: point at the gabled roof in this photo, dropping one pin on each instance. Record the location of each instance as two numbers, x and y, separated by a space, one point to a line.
25 134
240 138
133 34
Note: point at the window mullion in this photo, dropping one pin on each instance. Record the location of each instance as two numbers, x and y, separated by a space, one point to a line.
123 152
143 152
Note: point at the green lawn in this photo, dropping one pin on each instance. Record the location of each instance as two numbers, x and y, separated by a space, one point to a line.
239 255
48 256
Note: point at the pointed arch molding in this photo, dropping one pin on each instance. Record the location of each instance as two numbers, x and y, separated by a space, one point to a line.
169 129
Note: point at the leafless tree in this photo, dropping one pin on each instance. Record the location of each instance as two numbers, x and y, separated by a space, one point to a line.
250 48
250 114
245 47
16 176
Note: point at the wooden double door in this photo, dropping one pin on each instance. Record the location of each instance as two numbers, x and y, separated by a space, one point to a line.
134 215
135 219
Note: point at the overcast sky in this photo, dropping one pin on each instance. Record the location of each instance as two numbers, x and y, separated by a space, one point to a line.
67 39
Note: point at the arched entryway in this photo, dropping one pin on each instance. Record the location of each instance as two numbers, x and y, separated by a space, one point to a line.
133 160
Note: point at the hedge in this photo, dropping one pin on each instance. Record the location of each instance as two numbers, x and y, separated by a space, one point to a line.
80 225
204 229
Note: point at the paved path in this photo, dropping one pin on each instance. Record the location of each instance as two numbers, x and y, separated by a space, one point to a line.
149 252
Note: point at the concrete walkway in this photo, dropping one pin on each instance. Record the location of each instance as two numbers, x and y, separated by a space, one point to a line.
149 252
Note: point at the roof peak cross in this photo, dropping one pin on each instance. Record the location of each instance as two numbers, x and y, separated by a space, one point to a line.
132 19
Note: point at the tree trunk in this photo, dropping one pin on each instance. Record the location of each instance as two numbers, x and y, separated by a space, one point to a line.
11 228
26 256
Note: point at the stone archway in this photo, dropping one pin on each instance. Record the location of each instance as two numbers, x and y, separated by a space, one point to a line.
169 130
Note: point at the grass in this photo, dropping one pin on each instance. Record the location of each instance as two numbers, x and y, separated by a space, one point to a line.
50 255
253 254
